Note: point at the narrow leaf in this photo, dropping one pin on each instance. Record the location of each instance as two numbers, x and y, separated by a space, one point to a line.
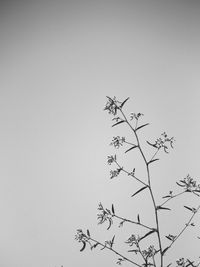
130 149
168 196
112 241
182 181
113 210
162 208
151 161
169 265
196 190
84 245
95 245
180 184
88 232
118 123
188 208
141 189
168 237
147 234
110 223
151 144
122 104
141 126
134 250
163 252
138 218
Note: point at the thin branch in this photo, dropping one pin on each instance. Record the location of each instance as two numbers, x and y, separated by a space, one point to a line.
122 169
154 154
141 253
171 197
128 143
114 251
184 228
134 222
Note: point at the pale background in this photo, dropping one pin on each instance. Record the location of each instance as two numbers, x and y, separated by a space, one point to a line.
59 59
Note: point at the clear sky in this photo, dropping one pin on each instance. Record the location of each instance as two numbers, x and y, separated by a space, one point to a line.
59 59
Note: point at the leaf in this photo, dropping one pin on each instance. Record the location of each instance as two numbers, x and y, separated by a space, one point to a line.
118 123
141 189
188 208
196 190
112 241
122 104
84 245
169 265
130 149
168 237
180 184
162 208
138 218
164 250
171 237
151 161
88 232
151 144
147 234
134 250
141 126
167 196
94 246
113 210
110 223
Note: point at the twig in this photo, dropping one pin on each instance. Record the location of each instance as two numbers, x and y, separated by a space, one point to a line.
130 221
171 197
122 169
184 228
114 251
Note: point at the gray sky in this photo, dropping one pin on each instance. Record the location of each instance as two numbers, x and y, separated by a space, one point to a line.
59 59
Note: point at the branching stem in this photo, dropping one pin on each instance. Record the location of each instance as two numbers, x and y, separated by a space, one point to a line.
184 228
149 185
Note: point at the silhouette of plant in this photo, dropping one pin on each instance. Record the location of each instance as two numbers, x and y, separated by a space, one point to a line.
152 255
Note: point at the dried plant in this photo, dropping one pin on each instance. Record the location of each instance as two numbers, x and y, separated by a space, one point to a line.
152 254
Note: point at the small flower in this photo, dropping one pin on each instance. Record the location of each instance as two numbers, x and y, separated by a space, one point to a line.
189 184
104 215
115 173
111 159
181 262
133 240
80 236
136 116
162 142
149 253
111 105
117 141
